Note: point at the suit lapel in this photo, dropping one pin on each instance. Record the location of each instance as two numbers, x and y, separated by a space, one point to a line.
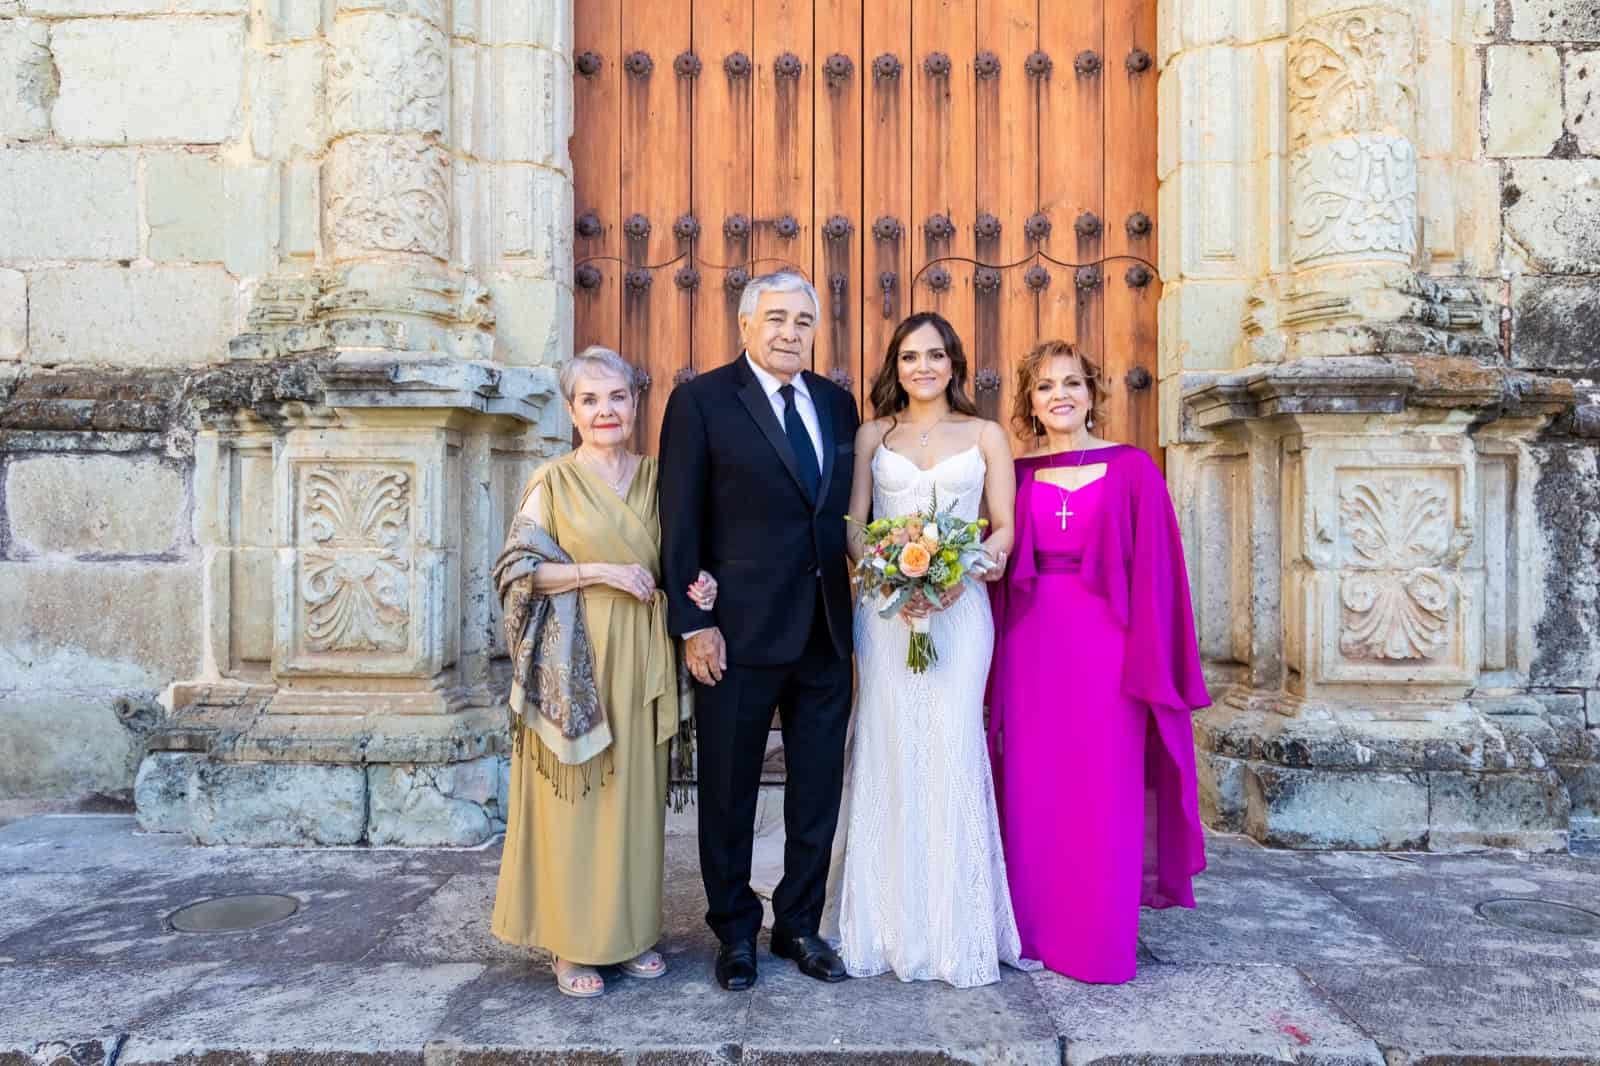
754 398
825 425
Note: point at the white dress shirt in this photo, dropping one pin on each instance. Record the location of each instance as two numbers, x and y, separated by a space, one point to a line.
802 400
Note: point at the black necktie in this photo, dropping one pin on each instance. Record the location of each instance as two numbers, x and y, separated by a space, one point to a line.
805 452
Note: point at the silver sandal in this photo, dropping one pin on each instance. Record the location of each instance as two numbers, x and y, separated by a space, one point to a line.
634 967
567 982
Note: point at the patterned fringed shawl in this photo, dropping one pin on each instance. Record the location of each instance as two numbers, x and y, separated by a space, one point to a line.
555 695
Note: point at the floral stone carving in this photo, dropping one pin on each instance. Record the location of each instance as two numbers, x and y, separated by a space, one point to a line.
1396 602
388 195
355 583
388 75
1353 72
1355 198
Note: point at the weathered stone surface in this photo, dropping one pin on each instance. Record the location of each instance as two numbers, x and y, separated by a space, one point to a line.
173 81
29 90
287 119
532 318
453 926
1523 115
1567 603
95 505
13 313
1336 809
1583 99
536 87
1525 809
1545 1016
63 744
164 790
1582 781
168 316
66 626
185 208
74 8
1553 213
343 1013
1556 322
1261 919
1428 908
1212 1013
76 1014
1554 20
279 803
68 205
420 806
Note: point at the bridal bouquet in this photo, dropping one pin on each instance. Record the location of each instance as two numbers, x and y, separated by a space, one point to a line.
927 554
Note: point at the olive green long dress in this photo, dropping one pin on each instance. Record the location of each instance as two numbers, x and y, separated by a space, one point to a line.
581 872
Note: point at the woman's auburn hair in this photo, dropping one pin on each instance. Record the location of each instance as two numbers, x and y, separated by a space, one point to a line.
1022 420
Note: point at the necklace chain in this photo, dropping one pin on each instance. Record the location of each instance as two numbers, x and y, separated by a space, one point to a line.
922 435
1066 493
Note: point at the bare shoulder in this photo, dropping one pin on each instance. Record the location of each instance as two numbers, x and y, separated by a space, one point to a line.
871 433
992 435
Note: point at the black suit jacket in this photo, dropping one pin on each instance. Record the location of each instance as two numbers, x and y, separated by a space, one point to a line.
732 504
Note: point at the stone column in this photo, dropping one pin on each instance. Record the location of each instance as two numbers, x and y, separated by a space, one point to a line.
1354 490
356 674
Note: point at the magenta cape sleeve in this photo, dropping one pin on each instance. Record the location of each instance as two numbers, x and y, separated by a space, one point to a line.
1134 561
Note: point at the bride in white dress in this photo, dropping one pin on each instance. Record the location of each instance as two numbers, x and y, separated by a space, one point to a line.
922 891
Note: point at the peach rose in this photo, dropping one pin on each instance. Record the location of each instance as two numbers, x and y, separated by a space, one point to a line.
915 560
900 536
914 530
930 541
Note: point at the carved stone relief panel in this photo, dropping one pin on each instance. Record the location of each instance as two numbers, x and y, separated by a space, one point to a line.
1353 72
355 570
388 75
1398 602
385 194
1354 199
363 574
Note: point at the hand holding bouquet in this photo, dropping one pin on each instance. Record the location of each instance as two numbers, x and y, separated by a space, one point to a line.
926 555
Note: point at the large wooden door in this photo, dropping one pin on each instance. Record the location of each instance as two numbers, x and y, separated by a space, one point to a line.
991 159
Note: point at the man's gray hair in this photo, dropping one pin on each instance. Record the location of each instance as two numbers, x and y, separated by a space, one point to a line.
784 281
600 361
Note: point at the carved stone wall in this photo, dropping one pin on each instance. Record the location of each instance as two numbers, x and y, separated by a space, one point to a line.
1362 448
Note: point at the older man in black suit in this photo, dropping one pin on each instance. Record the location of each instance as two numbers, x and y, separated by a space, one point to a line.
755 475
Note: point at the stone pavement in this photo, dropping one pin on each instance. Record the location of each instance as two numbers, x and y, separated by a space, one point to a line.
1380 960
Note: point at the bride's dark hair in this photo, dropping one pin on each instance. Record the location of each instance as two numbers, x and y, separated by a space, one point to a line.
889 397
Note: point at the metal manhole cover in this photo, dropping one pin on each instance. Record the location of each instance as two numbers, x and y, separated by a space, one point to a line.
1540 916
233 914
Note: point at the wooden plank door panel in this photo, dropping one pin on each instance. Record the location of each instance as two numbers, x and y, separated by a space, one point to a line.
1071 170
1130 188
840 231
887 211
782 182
943 170
721 150
597 166
657 122
1007 131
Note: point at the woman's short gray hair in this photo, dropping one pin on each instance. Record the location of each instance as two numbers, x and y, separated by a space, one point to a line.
600 361
783 281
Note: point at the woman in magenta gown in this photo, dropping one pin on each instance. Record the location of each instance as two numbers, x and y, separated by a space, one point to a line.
1095 674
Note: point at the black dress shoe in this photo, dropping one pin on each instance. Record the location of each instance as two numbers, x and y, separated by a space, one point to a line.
812 954
736 965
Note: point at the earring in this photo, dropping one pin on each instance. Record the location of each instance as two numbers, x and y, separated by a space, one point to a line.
1089 422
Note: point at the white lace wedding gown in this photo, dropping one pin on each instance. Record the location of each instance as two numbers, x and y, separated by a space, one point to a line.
923 890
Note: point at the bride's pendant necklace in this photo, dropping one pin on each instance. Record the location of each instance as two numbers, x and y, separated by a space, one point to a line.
922 436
